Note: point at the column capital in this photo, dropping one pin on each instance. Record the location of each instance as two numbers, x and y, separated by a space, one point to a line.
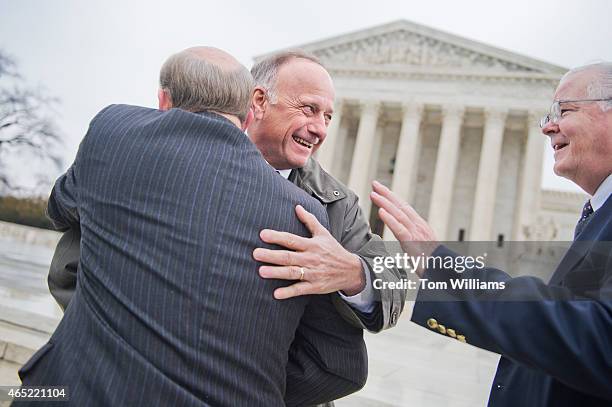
453 111
495 114
412 109
369 105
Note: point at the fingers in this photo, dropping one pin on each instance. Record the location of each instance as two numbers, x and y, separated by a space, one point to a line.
279 257
281 272
309 220
401 218
393 210
387 193
284 239
294 290
397 228
396 201
411 213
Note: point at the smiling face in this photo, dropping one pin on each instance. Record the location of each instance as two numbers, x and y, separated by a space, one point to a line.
582 138
290 130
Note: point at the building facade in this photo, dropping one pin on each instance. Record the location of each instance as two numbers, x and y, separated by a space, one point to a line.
450 125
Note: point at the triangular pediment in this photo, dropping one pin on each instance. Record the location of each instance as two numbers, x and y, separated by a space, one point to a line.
403 44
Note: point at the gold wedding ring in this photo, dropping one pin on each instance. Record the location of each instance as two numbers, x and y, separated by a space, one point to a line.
301 273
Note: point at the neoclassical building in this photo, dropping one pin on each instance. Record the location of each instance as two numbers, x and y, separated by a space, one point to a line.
448 123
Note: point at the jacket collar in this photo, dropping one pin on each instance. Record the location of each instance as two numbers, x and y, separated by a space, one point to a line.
314 180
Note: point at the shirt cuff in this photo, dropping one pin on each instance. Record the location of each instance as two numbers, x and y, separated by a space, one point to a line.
363 301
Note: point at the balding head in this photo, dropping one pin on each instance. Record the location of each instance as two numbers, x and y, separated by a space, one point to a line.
214 56
597 79
206 78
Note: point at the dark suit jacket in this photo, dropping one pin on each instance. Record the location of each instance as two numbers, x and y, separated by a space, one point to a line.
169 308
555 339
347 224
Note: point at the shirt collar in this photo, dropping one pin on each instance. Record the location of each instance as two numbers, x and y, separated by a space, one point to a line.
284 173
602 194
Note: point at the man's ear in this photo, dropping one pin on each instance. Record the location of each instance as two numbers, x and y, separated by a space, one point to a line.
248 120
163 97
259 102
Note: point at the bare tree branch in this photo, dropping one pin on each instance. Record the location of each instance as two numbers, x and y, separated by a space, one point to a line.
25 123
8 67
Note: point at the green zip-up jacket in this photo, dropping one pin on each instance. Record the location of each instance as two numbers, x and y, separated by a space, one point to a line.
349 226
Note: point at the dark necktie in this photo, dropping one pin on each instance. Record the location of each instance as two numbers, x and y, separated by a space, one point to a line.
587 211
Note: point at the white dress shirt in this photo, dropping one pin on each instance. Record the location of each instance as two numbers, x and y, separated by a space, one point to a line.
602 194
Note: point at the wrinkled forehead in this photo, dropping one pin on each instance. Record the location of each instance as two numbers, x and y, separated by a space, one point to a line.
305 78
322 96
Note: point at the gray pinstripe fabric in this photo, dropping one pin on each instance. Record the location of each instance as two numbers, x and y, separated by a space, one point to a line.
169 308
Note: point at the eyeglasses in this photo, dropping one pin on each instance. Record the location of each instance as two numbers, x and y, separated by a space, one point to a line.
555 110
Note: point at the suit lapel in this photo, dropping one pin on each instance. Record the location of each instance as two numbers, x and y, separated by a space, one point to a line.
586 239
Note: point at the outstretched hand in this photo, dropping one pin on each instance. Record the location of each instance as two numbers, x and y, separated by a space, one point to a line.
414 234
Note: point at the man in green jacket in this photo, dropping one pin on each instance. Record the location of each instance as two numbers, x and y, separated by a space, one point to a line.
293 105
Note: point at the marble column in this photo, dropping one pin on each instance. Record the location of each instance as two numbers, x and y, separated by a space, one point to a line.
407 156
337 169
327 151
366 203
530 184
446 166
366 135
488 170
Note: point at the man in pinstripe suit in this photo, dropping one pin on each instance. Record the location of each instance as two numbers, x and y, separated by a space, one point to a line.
169 308
348 273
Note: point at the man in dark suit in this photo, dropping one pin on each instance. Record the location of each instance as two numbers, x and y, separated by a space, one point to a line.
555 338
169 308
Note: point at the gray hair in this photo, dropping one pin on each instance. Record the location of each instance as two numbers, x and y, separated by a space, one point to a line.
195 85
265 72
601 85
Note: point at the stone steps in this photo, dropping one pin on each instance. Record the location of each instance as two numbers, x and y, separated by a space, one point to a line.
22 333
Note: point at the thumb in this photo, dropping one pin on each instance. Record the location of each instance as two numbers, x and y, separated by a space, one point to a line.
309 220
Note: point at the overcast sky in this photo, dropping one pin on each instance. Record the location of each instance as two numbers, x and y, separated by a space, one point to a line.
94 53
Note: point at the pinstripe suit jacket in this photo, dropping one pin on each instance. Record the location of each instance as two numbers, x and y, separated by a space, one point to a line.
169 308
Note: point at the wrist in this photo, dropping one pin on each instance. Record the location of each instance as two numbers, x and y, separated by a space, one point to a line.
357 280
